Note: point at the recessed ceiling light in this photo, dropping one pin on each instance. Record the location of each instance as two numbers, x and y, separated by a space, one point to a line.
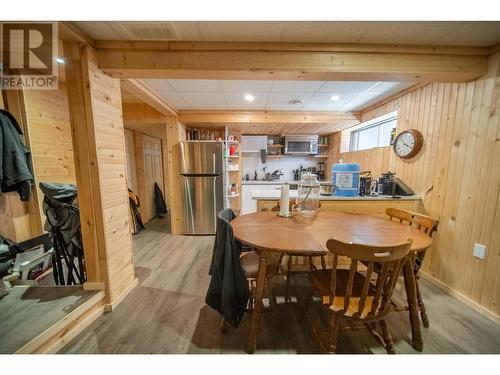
249 98
60 60
296 102
335 98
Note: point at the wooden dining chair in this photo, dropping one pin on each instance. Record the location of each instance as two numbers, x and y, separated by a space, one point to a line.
354 295
428 225
290 266
249 261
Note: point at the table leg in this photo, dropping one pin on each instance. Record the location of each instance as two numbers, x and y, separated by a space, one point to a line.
411 295
253 334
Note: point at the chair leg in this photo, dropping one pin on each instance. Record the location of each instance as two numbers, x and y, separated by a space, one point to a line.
387 337
421 306
272 295
288 275
323 262
332 339
307 303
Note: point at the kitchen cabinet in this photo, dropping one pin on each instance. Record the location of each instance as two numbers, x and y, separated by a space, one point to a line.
253 143
249 205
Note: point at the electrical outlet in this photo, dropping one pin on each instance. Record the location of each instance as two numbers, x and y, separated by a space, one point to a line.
479 251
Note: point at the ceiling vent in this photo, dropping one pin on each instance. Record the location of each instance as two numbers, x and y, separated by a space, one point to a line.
146 30
296 102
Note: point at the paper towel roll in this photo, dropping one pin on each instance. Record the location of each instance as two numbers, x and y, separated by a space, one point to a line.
285 192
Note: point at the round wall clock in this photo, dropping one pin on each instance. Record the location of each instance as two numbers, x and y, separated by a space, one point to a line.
408 143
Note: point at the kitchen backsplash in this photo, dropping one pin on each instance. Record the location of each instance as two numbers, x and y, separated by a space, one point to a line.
287 164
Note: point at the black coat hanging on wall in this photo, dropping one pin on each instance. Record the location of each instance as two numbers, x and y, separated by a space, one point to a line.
16 171
161 207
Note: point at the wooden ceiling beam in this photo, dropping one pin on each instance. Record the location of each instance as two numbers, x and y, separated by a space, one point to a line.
142 91
157 60
120 45
70 33
192 117
142 113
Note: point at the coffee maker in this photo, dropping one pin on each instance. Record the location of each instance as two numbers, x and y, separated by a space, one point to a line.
321 171
387 184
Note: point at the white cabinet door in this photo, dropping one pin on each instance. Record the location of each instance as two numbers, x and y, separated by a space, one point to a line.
253 143
247 202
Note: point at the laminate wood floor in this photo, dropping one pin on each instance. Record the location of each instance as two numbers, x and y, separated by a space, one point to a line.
166 313
28 311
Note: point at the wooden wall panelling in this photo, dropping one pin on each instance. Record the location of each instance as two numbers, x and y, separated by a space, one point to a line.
96 119
50 133
176 132
139 165
458 175
29 224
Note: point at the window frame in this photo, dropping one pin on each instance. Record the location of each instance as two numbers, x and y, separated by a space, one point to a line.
376 122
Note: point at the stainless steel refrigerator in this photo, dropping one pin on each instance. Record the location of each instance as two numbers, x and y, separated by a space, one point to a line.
202 183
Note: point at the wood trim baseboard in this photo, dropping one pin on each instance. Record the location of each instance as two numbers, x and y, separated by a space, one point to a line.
474 305
111 306
63 331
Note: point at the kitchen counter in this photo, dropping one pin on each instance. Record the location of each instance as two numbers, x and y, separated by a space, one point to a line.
273 195
266 199
278 182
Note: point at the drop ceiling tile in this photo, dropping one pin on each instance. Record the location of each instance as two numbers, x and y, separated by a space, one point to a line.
336 87
322 101
158 84
246 87
361 101
195 85
204 99
296 86
280 100
237 101
173 98
383 87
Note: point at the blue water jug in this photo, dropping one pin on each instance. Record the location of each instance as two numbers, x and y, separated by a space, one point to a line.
345 178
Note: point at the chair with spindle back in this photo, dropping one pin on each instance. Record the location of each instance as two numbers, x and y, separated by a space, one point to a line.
292 206
428 225
353 294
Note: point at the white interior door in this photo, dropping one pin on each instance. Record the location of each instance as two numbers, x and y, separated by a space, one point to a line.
153 171
130 160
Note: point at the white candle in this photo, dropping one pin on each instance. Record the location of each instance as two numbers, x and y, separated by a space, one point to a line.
285 192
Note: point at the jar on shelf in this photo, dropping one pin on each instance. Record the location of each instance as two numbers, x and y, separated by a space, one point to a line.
308 195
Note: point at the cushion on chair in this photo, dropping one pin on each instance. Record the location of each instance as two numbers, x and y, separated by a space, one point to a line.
250 264
320 280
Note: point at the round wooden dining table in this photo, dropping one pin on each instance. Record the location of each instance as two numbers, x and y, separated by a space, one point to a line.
272 236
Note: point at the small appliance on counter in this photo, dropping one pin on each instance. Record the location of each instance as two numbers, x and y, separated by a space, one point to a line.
326 189
389 184
365 183
321 171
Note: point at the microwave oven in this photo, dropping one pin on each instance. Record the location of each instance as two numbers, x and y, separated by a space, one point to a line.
301 144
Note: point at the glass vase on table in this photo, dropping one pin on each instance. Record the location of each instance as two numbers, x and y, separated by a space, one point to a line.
308 195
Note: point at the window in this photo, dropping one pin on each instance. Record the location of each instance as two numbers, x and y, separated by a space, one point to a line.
373 133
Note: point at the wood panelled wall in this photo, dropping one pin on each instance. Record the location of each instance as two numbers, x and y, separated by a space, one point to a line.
110 144
457 174
97 125
49 125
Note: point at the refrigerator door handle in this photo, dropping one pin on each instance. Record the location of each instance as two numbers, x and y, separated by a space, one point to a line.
215 203
213 159
190 204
